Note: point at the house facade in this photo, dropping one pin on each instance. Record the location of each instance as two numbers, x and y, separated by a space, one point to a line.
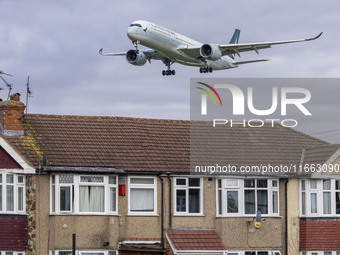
15 172
119 185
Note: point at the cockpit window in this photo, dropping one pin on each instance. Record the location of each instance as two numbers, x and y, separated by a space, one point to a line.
136 25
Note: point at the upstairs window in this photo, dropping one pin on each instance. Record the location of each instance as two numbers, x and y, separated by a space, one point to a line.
238 197
188 196
83 194
12 193
320 198
142 195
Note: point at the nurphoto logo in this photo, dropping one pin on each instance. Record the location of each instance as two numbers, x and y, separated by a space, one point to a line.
278 100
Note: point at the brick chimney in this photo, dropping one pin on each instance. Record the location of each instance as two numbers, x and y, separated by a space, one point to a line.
12 116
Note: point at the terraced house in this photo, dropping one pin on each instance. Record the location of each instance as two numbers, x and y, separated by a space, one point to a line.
124 186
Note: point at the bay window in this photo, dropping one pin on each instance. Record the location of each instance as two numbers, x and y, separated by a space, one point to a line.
142 195
12 193
188 196
238 197
320 197
83 194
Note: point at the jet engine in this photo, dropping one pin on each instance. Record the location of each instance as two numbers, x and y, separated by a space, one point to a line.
210 51
134 58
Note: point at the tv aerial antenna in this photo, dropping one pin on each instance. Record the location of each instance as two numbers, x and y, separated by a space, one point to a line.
28 92
2 72
8 85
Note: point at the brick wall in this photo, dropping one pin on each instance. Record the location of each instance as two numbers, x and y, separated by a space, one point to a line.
11 115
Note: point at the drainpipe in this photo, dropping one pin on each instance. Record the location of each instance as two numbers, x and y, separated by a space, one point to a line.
162 213
286 218
73 244
170 202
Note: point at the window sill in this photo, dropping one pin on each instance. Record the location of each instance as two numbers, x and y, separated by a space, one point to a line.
83 214
320 216
13 213
248 216
189 215
142 215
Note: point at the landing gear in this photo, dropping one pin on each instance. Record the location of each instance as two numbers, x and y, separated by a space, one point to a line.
167 72
135 43
206 70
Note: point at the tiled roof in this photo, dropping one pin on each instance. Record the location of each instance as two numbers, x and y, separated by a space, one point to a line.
320 154
113 142
152 145
190 239
320 235
244 146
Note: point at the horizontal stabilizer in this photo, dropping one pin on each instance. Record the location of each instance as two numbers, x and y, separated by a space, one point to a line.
250 61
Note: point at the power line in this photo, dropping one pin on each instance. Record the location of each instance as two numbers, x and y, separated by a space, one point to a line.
324 132
329 136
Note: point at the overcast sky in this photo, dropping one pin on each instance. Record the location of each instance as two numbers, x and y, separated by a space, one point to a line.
56 43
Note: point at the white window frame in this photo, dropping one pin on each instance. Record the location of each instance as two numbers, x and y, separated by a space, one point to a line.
274 252
106 252
56 252
319 196
186 187
318 252
240 188
74 187
143 186
16 185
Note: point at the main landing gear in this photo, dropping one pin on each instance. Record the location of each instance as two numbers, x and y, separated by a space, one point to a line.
206 70
167 72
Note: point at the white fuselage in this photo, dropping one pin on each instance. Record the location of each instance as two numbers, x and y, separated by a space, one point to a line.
168 43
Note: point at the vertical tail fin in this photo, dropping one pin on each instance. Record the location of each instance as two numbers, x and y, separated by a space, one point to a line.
234 40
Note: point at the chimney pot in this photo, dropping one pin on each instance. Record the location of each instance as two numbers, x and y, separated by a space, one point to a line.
15 97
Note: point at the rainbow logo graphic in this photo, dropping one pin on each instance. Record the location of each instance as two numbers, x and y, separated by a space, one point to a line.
209 93
204 96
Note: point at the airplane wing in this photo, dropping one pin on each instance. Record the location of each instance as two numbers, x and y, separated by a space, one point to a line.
242 47
227 49
149 53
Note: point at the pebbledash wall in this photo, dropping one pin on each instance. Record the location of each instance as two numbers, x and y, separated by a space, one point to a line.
236 233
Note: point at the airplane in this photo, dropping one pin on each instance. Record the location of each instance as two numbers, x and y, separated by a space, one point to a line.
171 47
